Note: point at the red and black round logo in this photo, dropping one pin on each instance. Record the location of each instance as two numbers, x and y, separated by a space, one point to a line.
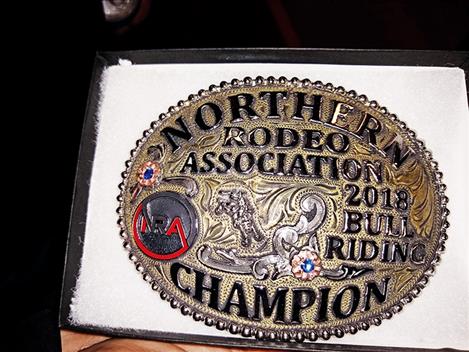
165 225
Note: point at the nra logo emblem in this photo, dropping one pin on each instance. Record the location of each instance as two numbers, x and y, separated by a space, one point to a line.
165 225
285 210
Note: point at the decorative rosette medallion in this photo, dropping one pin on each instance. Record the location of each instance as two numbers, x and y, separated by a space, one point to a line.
306 265
283 209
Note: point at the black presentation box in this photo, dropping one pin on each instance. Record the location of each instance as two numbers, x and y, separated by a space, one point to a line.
87 151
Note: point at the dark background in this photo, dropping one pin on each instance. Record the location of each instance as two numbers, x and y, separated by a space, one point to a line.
69 34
